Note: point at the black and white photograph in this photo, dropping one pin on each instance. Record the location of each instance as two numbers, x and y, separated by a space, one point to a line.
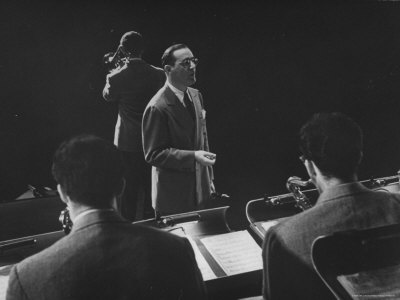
200 149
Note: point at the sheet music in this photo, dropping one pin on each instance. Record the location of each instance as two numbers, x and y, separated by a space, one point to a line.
236 252
268 224
204 267
179 231
4 272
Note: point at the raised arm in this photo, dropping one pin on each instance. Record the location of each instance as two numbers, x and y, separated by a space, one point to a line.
110 92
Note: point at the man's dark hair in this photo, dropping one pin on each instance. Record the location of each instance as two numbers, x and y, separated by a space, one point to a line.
89 170
132 42
334 143
168 58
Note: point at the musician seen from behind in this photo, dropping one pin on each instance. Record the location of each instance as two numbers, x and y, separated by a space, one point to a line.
175 138
104 256
331 146
131 86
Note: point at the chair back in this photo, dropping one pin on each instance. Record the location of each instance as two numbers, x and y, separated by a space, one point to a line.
360 264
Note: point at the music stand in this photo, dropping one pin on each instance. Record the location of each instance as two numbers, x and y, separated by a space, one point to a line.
265 212
360 264
26 217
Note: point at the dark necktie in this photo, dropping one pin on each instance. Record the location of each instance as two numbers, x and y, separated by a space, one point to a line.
189 105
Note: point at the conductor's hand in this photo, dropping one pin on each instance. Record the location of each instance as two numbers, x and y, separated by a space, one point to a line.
205 158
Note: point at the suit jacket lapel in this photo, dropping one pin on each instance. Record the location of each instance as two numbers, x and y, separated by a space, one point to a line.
177 108
196 101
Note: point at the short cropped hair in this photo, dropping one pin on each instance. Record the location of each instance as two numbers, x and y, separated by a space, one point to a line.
89 170
334 142
132 41
168 58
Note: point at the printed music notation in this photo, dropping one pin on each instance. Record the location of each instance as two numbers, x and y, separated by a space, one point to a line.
268 224
235 252
204 267
4 272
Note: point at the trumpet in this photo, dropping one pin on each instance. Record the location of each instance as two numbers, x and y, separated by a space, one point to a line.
117 59
293 184
296 198
301 199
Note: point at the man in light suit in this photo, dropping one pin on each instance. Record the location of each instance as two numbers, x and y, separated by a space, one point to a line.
331 146
175 140
131 87
104 256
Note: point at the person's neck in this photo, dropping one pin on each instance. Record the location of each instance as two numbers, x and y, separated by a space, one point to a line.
177 85
76 210
331 182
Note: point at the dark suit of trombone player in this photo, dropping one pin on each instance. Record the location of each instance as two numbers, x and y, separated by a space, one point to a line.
175 138
131 87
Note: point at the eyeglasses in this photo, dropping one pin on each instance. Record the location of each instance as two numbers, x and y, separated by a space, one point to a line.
302 158
187 63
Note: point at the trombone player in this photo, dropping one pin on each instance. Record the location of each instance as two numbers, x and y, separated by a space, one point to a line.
131 86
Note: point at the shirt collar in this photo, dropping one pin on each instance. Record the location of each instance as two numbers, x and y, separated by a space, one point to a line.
178 93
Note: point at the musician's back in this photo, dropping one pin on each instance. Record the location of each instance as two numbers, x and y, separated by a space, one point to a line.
106 257
331 144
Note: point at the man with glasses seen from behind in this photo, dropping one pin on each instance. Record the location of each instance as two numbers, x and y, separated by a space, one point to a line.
331 145
175 138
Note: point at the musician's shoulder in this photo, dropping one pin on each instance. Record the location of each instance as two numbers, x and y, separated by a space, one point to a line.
157 69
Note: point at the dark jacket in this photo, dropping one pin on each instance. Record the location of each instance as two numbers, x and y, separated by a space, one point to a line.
288 270
106 257
170 138
132 87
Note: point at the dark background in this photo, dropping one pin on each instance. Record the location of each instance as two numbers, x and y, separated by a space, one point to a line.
265 68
